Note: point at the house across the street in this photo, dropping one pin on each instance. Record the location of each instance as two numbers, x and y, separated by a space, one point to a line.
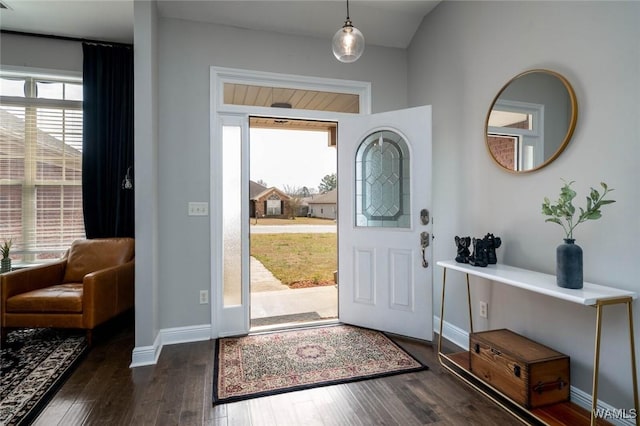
324 205
268 202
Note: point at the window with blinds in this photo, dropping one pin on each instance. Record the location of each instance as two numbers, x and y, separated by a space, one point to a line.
40 165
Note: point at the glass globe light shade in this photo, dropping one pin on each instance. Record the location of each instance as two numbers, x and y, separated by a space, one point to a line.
348 43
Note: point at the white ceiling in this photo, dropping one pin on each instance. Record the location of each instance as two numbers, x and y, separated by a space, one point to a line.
383 23
100 20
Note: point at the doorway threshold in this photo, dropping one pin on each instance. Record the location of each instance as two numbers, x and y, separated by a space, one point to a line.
293 325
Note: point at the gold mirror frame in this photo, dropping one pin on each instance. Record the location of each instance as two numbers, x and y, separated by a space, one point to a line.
571 127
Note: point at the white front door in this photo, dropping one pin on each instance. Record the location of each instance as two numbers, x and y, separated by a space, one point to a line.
384 184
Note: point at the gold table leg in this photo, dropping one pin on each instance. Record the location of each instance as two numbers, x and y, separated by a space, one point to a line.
596 364
634 373
469 303
596 357
444 283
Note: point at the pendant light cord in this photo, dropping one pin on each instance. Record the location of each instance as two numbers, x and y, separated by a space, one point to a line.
348 10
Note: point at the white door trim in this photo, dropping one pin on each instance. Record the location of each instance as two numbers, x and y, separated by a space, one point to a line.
218 77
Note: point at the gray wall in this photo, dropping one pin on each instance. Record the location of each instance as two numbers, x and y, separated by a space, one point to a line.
146 171
42 53
461 57
186 52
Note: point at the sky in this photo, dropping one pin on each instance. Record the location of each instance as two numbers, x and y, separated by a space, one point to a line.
294 158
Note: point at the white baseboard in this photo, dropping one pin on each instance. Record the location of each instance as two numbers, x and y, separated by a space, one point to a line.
452 333
193 333
460 337
148 355
609 413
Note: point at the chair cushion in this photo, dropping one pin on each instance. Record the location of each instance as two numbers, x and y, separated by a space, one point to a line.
58 298
86 256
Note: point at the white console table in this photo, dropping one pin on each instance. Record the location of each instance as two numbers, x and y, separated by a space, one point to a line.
593 295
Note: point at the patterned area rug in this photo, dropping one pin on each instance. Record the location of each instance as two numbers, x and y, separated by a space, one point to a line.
33 364
267 364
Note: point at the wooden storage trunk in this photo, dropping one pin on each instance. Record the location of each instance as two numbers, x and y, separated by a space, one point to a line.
529 373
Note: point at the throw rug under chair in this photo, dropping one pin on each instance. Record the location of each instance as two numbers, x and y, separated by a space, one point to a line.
267 364
33 364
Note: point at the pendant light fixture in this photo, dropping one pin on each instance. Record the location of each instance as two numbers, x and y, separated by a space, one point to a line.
348 42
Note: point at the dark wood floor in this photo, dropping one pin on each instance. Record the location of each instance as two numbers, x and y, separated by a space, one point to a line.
103 390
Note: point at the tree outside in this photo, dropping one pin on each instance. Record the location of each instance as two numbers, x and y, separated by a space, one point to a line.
328 183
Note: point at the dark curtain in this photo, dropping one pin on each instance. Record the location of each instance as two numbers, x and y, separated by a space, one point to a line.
107 154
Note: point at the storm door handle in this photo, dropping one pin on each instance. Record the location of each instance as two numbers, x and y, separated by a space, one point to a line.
424 243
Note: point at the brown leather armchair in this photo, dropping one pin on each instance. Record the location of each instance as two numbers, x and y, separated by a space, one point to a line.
92 283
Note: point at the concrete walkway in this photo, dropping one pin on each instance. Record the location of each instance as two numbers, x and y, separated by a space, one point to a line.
272 299
262 279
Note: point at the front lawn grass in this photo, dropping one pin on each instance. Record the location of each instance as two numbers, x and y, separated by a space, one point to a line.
298 260
272 221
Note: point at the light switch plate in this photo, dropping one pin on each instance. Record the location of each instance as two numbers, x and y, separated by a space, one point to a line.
198 208
204 297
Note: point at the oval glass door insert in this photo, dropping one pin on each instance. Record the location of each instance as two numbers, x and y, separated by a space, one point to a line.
382 181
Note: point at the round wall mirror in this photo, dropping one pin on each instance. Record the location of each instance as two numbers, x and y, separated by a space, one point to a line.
531 121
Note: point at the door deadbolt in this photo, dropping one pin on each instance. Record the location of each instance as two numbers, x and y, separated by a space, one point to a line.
424 216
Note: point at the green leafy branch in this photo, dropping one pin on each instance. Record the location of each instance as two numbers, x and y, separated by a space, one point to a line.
563 211
6 248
